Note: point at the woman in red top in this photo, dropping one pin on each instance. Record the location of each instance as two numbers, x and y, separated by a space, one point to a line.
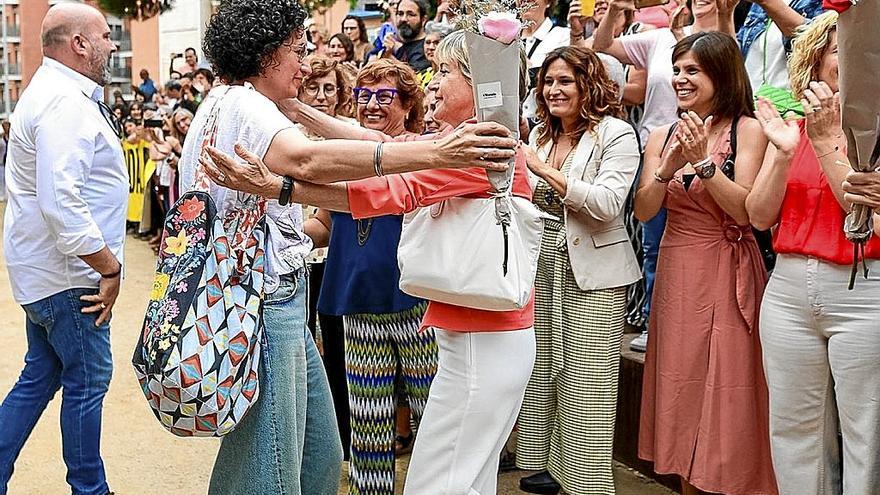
821 341
485 357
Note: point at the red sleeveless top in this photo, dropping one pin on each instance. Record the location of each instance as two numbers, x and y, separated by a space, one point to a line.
811 220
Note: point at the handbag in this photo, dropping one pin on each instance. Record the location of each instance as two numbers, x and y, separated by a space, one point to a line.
479 253
198 355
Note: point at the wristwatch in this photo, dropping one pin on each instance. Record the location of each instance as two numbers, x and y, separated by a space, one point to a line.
286 190
705 169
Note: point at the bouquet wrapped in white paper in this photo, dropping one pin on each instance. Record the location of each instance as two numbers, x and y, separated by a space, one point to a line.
495 58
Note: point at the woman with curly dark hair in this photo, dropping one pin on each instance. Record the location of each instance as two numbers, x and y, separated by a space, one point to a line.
288 442
586 160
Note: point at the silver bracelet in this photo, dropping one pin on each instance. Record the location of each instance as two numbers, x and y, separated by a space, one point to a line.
377 160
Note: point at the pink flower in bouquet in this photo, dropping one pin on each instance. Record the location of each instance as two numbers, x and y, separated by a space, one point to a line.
503 27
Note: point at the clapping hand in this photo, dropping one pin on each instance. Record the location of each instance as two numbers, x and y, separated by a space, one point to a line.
672 160
678 20
693 134
784 134
726 6
822 108
391 43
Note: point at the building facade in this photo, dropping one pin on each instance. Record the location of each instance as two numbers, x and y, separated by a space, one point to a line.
138 43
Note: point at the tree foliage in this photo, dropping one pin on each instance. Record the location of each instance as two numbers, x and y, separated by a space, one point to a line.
136 9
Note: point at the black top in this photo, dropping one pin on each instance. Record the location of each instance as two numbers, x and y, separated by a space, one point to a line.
413 53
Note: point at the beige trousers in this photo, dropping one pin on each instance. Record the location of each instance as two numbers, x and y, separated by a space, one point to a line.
822 361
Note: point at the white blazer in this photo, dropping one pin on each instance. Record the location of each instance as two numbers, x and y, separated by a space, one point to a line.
602 172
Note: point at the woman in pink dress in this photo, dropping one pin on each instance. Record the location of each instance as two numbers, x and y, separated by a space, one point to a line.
704 402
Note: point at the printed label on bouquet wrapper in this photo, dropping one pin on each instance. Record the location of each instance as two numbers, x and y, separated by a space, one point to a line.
489 94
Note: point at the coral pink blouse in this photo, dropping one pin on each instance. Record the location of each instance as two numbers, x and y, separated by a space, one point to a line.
402 193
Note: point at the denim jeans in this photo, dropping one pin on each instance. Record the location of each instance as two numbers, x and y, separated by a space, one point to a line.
288 444
652 234
67 351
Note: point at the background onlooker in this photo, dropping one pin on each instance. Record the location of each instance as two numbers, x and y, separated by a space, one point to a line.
318 36
203 81
147 86
540 36
173 95
409 44
327 89
354 28
434 33
765 38
190 61
341 49
387 27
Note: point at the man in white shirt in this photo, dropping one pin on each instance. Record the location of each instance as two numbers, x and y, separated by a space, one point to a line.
63 239
3 137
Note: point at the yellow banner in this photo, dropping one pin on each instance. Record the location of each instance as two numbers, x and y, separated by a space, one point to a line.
140 170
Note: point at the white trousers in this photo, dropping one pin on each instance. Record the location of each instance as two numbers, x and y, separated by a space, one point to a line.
822 361
471 410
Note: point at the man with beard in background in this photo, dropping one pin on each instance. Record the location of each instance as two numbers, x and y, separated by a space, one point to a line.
410 48
63 240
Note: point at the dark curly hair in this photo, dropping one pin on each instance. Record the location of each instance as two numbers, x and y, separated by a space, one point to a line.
242 36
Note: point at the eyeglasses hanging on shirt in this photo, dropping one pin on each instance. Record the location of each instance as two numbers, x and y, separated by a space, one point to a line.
109 117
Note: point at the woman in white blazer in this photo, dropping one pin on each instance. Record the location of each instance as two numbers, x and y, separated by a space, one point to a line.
585 160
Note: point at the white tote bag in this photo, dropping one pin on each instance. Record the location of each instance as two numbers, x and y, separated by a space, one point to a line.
459 252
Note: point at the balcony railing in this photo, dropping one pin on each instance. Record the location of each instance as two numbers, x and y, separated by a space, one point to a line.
123 72
13 30
123 39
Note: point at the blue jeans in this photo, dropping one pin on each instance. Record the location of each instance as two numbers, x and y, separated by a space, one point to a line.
67 351
652 234
288 444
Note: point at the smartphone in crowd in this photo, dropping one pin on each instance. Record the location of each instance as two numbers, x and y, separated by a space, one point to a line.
641 4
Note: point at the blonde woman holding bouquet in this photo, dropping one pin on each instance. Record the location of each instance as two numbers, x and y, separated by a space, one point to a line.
485 357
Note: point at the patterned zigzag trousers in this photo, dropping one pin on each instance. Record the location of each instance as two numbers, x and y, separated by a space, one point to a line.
376 347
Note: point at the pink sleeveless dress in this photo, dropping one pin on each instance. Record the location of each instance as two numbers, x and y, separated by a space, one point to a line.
704 409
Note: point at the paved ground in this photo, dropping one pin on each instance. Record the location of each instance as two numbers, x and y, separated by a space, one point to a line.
141 457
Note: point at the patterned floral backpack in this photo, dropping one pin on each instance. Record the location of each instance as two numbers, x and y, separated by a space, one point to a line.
198 356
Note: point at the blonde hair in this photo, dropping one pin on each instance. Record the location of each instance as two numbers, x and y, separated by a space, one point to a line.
808 48
454 49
